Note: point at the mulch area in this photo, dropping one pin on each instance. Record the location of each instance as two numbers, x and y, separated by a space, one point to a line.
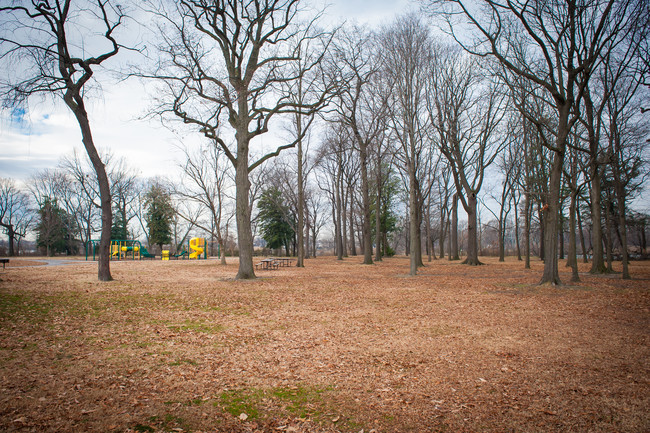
334 346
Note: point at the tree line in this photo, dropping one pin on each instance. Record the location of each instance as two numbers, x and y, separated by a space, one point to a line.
544 99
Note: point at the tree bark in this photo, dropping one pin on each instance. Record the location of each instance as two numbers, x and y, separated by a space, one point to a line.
104 270
300 262
453 230
472 232
413 218
242 205
551 214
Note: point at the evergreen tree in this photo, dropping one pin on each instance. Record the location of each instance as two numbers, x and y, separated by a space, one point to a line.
118 229
55 230
160 212
276 221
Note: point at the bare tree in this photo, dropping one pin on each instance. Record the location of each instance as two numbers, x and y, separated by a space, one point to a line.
227 62
360 106
467 111
407 50
554 46
16 213
44 40
205 183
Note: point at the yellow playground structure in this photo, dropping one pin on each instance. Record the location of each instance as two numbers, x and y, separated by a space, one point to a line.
199 248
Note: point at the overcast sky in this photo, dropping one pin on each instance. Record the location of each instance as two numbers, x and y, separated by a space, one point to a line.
36 139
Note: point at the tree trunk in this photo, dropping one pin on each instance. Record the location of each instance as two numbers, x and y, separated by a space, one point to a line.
453 230
472 232
413 220
609 241
597 259
242 208
502 249
572 259
551 214
338 217
104 270
581 233
367 240
620 193
301 201
378 214
442 234
527 216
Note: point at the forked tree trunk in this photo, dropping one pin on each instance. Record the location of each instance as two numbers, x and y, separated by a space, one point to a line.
472 230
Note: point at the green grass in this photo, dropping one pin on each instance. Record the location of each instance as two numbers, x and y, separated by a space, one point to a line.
14 307
300 401
236 402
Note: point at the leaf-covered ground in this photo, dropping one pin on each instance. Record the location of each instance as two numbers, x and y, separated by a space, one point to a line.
336 346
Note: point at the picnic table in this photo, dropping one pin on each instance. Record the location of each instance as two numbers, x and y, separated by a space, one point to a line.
284 261
271 263
267 264
4 262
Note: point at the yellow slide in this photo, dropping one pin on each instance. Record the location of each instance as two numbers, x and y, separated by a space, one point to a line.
197 244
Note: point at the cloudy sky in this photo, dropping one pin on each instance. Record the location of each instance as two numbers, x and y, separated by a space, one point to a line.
36 138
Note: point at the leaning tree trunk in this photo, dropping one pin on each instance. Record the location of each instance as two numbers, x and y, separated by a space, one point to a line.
104 270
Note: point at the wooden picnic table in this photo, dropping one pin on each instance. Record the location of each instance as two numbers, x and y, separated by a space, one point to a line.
284 261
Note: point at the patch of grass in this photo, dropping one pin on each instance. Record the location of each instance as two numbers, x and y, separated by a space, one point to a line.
300 401
143 428
236 402
196 326
168 422
21 306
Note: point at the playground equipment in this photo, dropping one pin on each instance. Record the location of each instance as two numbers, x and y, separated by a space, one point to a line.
198 247
121 249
